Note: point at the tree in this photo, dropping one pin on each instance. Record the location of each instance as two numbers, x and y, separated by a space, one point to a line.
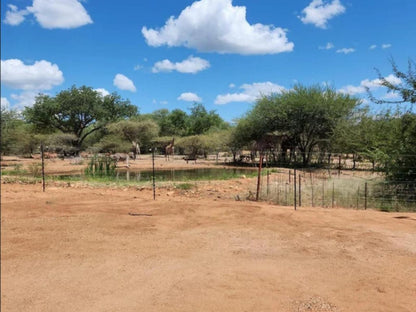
136 132
307 116
17 137
406 89
401 152
194 145
80 111
200 120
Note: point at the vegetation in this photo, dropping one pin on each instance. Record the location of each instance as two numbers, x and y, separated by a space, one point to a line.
303 126
78 111
304 119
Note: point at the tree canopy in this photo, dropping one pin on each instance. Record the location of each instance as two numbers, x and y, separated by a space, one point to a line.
137 132
406 89
80 111
307 116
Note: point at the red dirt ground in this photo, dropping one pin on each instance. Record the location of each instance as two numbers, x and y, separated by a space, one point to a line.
84 248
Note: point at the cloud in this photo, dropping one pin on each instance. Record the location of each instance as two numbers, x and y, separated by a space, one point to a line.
250 93
319 12
346 50
5 104
42 75
386 46
26 98
137 67
372 47
231 86
103 92
189 97
328 46
14 16
51 14
191 65
124 83
218 26
371 84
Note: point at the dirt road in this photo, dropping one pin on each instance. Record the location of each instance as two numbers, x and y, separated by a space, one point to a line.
102 249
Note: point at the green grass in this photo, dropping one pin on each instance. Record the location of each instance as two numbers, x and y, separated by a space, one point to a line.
184 186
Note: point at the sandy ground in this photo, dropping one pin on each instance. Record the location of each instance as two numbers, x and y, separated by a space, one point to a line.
84 248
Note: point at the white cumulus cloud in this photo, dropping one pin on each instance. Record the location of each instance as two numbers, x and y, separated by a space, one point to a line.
51 14
386 46
371 84
42 75
189 97
191 65
103 92
373 46
250 93
218 26
124 83
26 98
319 12
346 50
14 16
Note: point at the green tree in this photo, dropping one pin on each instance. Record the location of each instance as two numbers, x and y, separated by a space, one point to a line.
406 88
308 116
200 120
80 111
178 121
194 145
17 137
138 133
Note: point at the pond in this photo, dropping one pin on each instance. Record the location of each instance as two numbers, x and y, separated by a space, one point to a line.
184 175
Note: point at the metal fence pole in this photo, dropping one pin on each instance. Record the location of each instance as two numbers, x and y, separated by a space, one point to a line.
153 173
43 166
300 190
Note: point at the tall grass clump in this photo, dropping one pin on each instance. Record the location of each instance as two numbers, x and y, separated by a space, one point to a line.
101 166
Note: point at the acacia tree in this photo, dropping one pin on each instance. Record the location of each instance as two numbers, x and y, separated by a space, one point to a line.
406 89
136 132
79 111
402 152
306 115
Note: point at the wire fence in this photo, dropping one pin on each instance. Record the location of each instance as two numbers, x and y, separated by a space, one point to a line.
330 188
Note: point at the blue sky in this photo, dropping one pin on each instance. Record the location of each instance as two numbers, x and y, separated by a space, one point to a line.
222 53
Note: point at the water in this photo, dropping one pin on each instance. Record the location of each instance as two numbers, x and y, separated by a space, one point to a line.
184 175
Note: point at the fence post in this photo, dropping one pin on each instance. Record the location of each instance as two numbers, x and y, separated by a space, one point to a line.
294 184
333 193
43 166
312 190
290 174
365 195
300 190
153 171
259 176
339 165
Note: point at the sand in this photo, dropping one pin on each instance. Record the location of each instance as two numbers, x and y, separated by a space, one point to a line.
93 248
